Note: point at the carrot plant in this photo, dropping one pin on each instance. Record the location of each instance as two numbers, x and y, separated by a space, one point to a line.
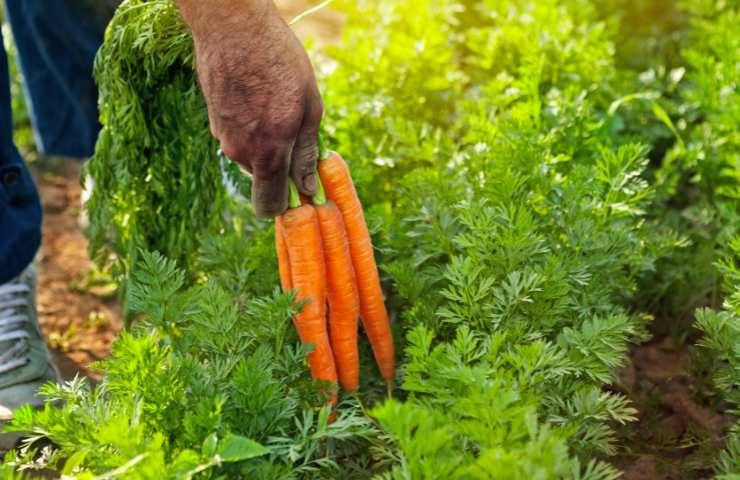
721 335
150 193
208 383
710 160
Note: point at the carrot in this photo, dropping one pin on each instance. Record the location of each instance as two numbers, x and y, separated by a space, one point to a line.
282 254
306 258
338 186
344 303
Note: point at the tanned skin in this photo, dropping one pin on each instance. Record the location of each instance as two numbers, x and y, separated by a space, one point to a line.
263 102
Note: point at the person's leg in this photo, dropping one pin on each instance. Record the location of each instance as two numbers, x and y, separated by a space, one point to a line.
20 208
57 43
24 360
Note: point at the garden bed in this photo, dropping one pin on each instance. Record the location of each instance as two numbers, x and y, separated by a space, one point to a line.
552 192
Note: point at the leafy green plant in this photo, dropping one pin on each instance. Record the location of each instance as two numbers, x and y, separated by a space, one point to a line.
721 337
203 385
695 176
158 181
710 161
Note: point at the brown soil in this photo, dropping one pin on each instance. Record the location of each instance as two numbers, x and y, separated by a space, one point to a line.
78 312
676 435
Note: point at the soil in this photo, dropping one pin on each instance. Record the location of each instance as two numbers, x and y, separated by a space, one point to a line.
676 436
78 309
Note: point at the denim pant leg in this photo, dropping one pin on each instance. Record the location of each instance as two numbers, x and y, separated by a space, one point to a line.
57 41
20 208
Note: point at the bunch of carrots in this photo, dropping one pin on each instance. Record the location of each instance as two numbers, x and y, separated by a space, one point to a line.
325 255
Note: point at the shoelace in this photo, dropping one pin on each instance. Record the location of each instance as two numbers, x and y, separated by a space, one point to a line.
13 295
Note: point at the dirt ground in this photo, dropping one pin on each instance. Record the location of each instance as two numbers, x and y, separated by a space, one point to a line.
676 437
79 315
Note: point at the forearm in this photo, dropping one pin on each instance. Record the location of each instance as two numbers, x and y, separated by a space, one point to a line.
213 18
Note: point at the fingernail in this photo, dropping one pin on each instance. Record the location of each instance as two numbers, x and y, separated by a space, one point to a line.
309 182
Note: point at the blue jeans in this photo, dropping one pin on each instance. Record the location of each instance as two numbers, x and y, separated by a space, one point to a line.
56 42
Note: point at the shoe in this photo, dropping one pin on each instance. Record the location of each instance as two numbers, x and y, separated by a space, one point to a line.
25 363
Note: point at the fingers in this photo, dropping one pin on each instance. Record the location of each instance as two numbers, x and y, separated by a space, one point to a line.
278 140
269 164
270 190
306 149
271 157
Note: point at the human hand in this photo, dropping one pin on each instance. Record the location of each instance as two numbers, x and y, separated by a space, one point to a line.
263 102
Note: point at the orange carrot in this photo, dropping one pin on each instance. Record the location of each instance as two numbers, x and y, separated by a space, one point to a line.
282 254
338 186
344 304
306 258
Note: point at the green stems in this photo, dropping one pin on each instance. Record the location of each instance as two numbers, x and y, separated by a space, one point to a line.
320 197
294 200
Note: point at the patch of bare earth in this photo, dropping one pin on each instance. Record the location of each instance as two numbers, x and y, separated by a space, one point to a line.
676 436
79 317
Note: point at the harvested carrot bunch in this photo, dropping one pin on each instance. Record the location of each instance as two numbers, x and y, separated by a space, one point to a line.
326 256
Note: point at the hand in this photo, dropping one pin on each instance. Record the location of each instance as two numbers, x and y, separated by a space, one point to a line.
263 102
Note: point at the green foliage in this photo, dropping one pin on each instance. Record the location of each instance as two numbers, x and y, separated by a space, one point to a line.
729 459
694 154
713 151
648 33
713 158
150 191
721 345
202 386
525 186
512 256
